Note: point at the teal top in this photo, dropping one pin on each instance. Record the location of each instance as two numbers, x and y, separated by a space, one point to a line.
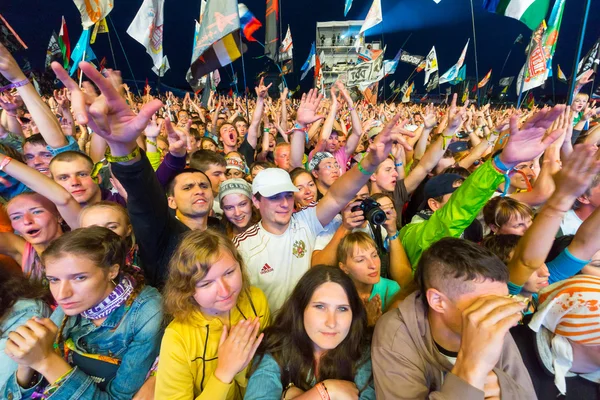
386 289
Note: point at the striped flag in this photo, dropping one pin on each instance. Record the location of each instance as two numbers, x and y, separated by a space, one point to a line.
64 43
100 27
248 21
529 12
218 39
485 80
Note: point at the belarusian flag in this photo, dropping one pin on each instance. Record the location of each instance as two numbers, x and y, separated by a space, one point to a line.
63 42
529 12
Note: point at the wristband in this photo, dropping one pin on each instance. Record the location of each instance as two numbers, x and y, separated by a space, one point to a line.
500 165
151 142
5 162
14 85
362 170
322 389
398 164
351 109
128 157
386 243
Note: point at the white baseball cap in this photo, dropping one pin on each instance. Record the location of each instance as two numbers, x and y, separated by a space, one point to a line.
272 181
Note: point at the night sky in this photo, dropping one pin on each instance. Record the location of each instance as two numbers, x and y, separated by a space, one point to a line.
446 25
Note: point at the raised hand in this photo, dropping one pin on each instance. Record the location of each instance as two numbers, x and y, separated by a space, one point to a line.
10 103
382 145
577 173
153 128
307 112
178 137
529 141
61 98
108 114
261 90
9 67
237 348
345 95
430 117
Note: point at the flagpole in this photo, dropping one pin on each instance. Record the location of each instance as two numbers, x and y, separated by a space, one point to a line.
125 54
112 51
525 68
244 74
475 47
579 48
553 92
80 71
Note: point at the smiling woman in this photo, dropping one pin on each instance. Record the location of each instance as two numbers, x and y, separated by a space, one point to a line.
319 344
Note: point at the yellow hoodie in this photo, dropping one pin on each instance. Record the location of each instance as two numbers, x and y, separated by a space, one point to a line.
188 353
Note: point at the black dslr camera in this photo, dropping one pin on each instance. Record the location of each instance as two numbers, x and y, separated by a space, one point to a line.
372 210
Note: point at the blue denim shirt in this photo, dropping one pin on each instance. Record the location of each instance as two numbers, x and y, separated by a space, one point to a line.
265 382
20 313
132 336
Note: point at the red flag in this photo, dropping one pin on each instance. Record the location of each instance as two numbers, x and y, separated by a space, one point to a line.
474 88
230 93
317 65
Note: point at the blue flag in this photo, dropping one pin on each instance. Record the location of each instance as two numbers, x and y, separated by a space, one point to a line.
77 54
462 74
347 7
310 61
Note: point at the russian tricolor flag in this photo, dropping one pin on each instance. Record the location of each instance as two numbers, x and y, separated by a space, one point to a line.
248 22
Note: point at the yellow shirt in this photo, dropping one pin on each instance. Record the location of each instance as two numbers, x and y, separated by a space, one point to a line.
188 353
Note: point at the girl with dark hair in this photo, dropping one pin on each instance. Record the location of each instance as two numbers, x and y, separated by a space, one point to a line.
318 344
307 188
103 337
20 300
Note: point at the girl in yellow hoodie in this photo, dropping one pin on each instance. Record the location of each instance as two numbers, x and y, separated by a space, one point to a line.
217 318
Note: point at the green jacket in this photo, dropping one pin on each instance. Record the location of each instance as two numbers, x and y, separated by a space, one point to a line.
455 216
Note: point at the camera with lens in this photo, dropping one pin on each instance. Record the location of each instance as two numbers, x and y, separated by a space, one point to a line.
372 211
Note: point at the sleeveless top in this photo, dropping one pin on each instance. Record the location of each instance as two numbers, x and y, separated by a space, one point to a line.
31 264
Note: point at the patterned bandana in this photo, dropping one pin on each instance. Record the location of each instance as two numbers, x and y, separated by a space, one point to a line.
114 300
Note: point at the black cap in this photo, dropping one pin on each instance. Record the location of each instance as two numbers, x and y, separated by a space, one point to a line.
441 185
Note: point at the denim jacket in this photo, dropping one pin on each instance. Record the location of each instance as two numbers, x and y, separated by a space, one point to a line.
265 382
20 313
131 336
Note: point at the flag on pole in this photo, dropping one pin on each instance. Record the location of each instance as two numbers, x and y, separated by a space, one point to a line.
216 77
164 67
408 58
218 39
310 61
347 6
431 64
519 39
505 89
147 29
560 75
392 84
374 16
271 30
452 73
53 52
465 95
93 11
421 66
506 81
286 50
406 97
590 61
82 51
100 27
287 67
433 82
64 43
462 75
530 101
529 12
535 70
485 80
248 21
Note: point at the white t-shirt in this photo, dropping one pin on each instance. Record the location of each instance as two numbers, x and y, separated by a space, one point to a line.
275 263
570 223
326 235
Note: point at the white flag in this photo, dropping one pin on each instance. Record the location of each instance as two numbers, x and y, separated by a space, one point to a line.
163 68
374 16
93 11
452 73
431 64
147 29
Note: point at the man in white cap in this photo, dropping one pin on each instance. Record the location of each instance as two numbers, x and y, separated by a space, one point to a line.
277 250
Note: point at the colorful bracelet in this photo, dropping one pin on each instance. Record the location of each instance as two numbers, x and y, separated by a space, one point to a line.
398 164
14 85
5 162
362 170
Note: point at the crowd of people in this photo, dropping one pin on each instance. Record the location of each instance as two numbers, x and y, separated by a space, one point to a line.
276 248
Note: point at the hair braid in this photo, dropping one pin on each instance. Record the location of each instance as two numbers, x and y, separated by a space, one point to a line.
59 336
138 276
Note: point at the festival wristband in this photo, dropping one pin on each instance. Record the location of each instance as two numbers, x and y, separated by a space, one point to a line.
151 142
500 165
128 157
362 170
322 389
398 164
14 85
5 162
